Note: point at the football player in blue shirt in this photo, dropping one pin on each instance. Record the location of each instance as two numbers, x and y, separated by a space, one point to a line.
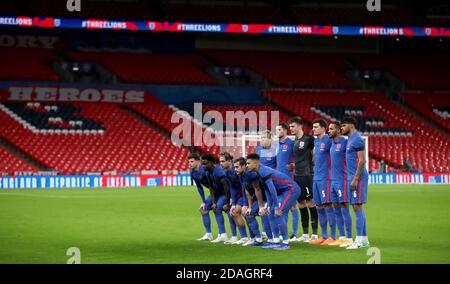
357 178
267 151
250 207
196 171
321 183
285 164
340 194
219 198
236 200
284 193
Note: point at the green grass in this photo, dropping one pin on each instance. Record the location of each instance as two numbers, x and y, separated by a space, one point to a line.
409 224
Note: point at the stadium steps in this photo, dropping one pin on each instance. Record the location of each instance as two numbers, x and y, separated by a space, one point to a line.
22 155
24 8
421 117
152 125
286 111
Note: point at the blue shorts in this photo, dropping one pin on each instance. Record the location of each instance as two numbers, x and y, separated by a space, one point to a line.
340 193
359 196
321 192
220 202
239 201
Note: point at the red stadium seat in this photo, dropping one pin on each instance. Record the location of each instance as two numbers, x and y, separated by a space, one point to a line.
127 144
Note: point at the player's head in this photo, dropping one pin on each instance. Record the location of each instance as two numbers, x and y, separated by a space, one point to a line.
295 125
239 165
348 125
282 130
266 138
208 161
225 160
252 162
194 160
334 129
319 127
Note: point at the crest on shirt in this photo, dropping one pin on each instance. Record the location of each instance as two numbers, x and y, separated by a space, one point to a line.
322 146
338 147
285 146
301 145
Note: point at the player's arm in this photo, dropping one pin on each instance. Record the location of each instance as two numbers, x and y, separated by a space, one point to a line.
272 192
200 190
212 193
226 188
258 194
361 161
248 201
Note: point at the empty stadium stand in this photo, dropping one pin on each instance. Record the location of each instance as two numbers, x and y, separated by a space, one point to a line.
26 64
353 16
10 163
126 145
150 68
435 106
93 9
288 69
223 13
420 72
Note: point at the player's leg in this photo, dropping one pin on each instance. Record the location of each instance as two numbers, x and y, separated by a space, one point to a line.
266 226
312 207
331 218
273 224
319 188
345 209
358 198
254 227
233 229
335 195
206 221
287 200
222 237
303 209
240 224
295 218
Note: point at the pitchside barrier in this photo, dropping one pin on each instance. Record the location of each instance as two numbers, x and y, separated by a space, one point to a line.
126 181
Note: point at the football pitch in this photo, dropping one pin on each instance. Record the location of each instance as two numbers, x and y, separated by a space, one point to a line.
408 224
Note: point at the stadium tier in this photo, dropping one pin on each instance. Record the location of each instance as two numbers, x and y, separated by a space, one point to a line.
435 106
93 9
421 72
150 68
395 135
161 115
223 13
36 62
10 163
126 144
290 69
353 16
